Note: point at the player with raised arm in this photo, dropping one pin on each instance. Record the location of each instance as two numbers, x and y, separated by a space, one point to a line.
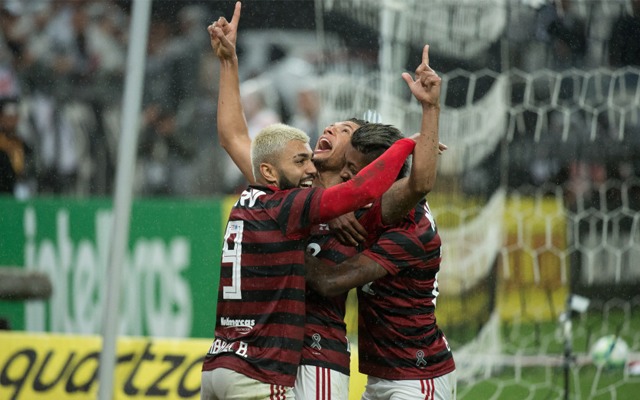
260 316
401 348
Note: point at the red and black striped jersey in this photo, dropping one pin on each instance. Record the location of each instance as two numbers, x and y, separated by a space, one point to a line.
398 335
261 294
325 340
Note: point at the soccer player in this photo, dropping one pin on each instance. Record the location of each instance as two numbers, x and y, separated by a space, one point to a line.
261 296
401 348
325 365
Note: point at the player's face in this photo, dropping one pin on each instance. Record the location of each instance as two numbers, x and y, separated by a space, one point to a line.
354 162
331 146
295 168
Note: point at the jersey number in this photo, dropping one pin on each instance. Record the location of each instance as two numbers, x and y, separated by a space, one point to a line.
232 254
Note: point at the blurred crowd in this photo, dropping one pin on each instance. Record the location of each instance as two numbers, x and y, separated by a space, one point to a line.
62 66
575 150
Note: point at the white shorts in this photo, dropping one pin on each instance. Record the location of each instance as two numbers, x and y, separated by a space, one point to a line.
225 384
317 383
440 388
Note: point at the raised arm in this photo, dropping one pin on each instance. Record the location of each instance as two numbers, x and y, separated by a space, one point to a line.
233 133
406 193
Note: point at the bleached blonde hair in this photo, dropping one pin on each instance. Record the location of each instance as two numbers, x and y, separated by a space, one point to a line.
270 142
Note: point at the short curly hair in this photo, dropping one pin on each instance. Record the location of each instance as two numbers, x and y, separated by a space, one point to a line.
373 139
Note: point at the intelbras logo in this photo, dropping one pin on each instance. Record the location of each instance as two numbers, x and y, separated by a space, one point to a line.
237 322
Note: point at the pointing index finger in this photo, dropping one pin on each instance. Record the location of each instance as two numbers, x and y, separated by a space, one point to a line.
236 13
425 55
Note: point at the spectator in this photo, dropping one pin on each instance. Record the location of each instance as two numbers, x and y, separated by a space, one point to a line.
14 153
624 42
564 31
165 153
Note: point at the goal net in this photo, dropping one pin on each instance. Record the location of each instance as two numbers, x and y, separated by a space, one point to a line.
538 196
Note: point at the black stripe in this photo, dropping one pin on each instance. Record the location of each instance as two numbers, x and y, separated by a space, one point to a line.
250 271
272 247
427 236
413 249
416 331
305 218
420 274
400 311
323 321
333 255
277 342
270 295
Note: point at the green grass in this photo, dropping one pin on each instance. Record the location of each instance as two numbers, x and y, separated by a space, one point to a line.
548 382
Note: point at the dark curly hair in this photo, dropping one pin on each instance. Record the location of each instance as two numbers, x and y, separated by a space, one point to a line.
373 139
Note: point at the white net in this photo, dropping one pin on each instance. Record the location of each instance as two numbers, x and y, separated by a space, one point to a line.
538 196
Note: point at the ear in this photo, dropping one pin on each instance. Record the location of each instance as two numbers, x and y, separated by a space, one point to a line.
269 173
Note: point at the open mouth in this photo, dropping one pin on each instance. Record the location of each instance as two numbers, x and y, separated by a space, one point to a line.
324 145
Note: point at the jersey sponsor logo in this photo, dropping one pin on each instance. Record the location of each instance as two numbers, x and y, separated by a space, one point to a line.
249 196
237 323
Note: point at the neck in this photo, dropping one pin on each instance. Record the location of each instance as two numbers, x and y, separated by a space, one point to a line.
327 179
